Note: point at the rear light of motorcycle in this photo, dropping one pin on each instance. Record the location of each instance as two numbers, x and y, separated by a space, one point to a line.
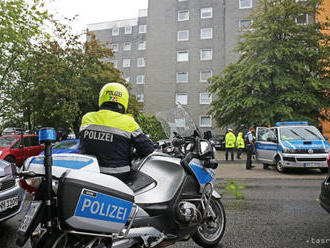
31 185
328 160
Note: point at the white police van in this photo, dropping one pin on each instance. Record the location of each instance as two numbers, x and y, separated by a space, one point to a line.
291 145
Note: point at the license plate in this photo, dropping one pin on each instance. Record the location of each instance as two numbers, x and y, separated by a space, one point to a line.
311 165
8 203
29 216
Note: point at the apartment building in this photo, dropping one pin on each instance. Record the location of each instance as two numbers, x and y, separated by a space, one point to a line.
168 52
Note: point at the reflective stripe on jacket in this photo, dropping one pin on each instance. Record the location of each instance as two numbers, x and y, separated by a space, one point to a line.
109 136
230 140
240 143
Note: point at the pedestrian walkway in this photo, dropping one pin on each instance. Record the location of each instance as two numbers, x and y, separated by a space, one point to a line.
236 170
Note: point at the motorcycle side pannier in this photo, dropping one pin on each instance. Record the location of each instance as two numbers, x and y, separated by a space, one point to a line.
93 202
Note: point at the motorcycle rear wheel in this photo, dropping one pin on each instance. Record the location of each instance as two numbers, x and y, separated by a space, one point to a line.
207 236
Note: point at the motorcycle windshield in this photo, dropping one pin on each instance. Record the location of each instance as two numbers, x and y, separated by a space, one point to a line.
177 120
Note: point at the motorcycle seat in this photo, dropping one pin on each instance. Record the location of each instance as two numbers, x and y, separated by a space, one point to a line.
137 180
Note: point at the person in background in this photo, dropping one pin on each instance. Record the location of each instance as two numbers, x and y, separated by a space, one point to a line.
109 133
230 143
249 148
240 144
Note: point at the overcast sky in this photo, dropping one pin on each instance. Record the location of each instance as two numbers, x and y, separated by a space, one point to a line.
94 11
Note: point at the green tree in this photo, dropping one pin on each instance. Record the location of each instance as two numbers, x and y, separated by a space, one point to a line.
151 126
20 27
283 72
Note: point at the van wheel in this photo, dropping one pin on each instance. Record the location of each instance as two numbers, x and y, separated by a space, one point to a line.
10 159
279 166
324 170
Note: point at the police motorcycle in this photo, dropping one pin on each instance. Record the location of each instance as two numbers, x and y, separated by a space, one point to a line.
166 198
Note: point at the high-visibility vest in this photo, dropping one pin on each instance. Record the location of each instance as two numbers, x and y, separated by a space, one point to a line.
240 141
230 140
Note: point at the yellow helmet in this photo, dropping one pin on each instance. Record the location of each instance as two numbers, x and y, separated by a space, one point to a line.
114 92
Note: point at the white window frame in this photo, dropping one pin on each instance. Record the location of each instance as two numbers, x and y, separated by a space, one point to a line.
203 50
127 46
126 63
183 19
202 97
181 52
305 23
206 10
115 47
115 31
206 37
128 29
245 29
181 94
143 29
140 97
245 7
200 75
142 47
203 116
183 81
140 64
182 31
182 0
140 81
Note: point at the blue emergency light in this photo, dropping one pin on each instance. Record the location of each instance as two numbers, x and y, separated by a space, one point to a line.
291 123
47 134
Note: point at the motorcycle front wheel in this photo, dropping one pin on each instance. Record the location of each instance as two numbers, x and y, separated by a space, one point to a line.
209 233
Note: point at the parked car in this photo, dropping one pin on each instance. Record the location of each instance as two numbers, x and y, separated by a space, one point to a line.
65 146
292 145
11 194
219 142
12 130
17 148
325 190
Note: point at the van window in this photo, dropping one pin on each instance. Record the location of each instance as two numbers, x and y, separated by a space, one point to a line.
300 133
27 141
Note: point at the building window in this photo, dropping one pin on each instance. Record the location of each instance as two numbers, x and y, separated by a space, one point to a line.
140 97
183 35
205 121
182 77
245 4
128 29
204 75
206 33
183 15
115 63
302 19
126 63
181 98
127 46
140 79
142 29
141 62
142 45
205 98
115 31
206 13
115 47
206 54
182 56
244 24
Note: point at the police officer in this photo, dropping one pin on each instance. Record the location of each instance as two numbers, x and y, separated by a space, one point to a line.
109 134
230 143
240 144
249 148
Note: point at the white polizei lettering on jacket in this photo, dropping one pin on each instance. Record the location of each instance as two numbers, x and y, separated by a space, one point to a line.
86 204
95 135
